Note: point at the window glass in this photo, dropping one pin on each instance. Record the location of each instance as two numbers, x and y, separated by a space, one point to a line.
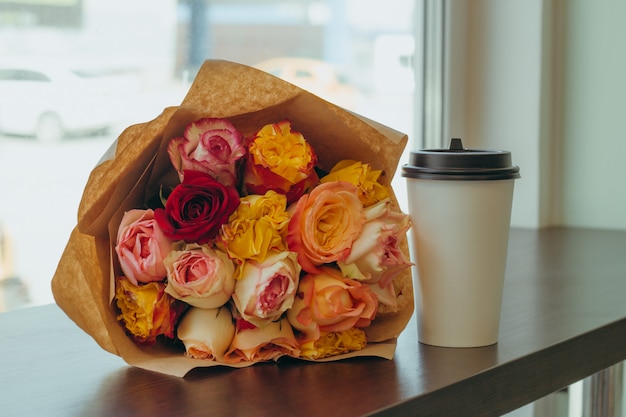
114 63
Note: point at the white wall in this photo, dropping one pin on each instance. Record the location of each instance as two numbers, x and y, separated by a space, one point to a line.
545 80
594 115
495 90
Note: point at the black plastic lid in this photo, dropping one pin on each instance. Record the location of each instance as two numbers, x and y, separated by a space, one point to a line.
458 163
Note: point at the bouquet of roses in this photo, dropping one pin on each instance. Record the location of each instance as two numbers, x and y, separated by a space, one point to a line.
230 232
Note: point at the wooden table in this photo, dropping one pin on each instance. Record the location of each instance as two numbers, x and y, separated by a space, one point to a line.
564 318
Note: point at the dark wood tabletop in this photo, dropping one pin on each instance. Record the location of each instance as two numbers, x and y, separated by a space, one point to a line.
563 319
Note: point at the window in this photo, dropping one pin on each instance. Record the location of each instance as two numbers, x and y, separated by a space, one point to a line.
360 54
32 76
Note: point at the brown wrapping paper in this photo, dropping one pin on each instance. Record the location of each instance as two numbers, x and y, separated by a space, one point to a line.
138 164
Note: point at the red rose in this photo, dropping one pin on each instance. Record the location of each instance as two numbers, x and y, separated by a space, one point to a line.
197 208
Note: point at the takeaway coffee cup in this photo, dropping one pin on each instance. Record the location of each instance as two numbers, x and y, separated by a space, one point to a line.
460 208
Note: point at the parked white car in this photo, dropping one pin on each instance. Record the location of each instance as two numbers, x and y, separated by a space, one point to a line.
51 101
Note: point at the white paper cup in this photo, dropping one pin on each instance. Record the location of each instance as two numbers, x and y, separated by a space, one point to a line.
460 208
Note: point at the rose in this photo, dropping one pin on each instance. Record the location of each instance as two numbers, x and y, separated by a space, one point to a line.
206 332
259 225
280 159
146 310
199 276
363 176
267 289
376 256
197 208
208 145
141 246
324 224
334 343
262 344
329 302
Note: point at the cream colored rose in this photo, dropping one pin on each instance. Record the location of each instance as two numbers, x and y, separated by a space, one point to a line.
254 344
267 289
200 276
207 332
376 257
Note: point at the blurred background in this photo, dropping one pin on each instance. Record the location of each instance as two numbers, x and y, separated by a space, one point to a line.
540 78
75 73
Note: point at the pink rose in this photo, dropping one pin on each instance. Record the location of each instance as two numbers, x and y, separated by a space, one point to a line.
324 224
199 276
329 302
255 344
267 289
141 246
376 257
209 145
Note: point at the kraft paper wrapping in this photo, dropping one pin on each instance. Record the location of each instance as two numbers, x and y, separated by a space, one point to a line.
138 163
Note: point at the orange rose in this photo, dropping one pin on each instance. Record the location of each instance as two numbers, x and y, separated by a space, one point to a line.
329 302
325 223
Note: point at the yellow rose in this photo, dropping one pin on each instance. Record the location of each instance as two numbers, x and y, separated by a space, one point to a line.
280 159
334 343
147 311
363 176
259 225
281 150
